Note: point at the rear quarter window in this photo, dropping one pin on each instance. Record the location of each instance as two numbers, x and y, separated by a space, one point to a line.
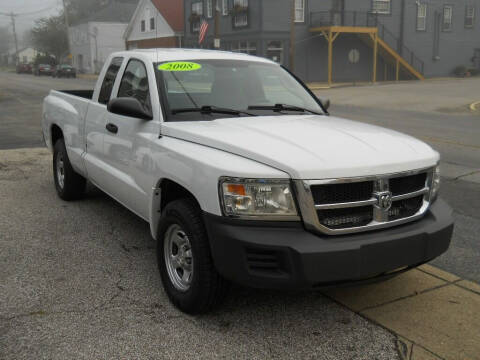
109 80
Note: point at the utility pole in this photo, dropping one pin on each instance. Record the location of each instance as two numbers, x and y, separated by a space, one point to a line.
12 16
292 36
402 29
67 24
216 41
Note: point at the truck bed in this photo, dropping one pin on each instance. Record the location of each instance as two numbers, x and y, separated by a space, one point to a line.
86 94
68 108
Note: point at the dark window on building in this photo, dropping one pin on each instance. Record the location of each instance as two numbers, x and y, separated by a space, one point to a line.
300 11
152 23
421 16
109 80
142 26
381 6
447 24
240 8
135 83
275 51
209 8
245 47
469 16
196 16
225 7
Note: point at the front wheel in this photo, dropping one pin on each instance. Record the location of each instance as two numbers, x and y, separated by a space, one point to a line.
69 184
185 263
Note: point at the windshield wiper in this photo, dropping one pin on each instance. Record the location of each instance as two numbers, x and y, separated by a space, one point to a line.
282 107
207 109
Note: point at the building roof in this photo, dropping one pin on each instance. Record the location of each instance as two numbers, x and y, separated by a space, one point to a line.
13 51
172 11
119 11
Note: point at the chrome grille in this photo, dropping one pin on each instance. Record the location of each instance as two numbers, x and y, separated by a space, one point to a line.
339 206
338 193
407 184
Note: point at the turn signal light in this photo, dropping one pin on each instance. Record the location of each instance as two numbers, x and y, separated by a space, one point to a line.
237 189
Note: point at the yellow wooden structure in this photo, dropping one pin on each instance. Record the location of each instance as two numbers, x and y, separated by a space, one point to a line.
331 33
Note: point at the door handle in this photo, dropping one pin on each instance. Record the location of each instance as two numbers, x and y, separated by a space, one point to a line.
112 128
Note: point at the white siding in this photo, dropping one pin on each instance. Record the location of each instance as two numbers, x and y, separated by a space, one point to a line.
27 55
109 38
162 28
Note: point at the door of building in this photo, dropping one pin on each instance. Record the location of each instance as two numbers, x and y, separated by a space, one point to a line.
476 59
80 62
338 9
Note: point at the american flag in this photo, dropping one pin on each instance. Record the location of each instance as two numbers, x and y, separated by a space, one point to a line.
203 31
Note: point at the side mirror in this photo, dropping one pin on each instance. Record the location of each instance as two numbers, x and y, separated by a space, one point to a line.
325 102
129 106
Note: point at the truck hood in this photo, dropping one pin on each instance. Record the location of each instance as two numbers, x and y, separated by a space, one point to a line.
310 146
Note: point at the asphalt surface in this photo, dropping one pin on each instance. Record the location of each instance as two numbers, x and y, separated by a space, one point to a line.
79 280
456 136
21 106
436 112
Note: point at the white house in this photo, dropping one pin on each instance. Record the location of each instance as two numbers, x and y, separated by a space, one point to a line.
93 42
94 39
25 56
156 23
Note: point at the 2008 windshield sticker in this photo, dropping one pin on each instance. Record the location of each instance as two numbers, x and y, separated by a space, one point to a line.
179 66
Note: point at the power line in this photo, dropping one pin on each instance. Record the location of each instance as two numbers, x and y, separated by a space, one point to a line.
13 16
29 13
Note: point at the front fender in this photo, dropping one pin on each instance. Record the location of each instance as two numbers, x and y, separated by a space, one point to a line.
198 168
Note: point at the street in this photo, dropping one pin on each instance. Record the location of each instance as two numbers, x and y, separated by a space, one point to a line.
80 280
446 123
21 106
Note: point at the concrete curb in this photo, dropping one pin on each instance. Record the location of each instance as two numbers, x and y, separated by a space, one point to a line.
432 313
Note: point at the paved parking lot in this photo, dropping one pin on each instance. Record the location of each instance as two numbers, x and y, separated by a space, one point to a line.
79 280
21 106
447 124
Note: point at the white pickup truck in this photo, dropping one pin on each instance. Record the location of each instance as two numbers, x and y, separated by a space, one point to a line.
244 176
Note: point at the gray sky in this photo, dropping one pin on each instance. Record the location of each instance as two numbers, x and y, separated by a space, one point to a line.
27 6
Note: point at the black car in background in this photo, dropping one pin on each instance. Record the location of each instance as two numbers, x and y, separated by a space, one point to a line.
42 69
64 70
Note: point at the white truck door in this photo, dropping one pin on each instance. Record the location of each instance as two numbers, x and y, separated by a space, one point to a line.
95 123
126 143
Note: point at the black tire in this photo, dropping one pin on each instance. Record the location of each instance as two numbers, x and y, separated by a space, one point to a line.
73 185
207 289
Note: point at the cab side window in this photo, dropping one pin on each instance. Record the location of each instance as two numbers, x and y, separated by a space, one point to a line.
110 76
135 83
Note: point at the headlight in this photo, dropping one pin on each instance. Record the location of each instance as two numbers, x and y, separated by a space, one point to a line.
258 198
435 184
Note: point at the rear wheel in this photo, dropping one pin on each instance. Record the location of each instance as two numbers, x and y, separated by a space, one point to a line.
69 184
184 260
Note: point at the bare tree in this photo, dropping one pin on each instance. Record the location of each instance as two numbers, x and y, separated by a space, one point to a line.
50 36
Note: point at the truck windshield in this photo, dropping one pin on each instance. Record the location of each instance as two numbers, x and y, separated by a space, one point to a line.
230 88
